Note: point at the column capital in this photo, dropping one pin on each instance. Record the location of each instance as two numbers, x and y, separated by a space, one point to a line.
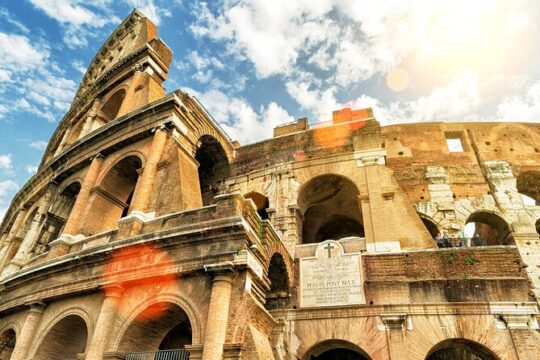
97 156
159 128
114 291
394 321
36 306
517 321
224 271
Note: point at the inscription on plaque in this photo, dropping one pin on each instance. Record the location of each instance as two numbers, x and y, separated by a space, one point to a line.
331 278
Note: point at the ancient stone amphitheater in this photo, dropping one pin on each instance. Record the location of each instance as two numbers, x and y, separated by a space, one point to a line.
147 233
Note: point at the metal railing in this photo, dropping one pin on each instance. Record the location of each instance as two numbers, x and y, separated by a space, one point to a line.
176 354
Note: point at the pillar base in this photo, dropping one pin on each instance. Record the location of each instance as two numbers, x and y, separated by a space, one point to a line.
114 355
62 245
12 266
195 352
133 223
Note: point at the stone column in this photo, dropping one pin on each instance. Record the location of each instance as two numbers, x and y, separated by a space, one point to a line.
99 342
145 184
73 223
89 121
523 336
6 246
395 326
63 142
218 311
28 331
31 235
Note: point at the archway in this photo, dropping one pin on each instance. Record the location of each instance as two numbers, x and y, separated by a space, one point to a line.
261 202
213 167
278 296
487 228
113 197
7 344
336 350
65 340
460 349
109 110
57 217
161 326
538 226
430 226
329 205
528 184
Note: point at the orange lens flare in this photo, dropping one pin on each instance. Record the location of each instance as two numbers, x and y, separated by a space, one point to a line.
145 272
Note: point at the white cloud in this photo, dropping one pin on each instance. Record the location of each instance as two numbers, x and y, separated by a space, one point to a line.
6 162
524 107
18 54
150 9
78 65
78 17
239 120
38 144
7 190
320 103
31 169
6 16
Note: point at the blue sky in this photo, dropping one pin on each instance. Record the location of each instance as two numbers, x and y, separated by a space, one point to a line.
255 64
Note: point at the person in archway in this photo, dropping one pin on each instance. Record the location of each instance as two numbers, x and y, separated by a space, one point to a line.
439 240
447 240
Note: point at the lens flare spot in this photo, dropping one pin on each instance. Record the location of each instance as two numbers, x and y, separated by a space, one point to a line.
397 80
145 272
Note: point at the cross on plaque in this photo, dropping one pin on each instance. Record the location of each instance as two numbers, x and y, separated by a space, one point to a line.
329 247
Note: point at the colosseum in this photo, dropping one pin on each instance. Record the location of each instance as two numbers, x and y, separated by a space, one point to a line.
147 233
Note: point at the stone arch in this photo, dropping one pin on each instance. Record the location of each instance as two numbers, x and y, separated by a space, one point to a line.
64 337
168 298
528 183
152 325
8 339
430 224
112 105
335 348
111 199
491 229
213 167
459 348
57 215
261 202
330 209
205 128
279 294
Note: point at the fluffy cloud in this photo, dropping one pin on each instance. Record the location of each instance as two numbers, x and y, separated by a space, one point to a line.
239 120
6 165
524 107
38 144
17 53
7 190
77 17
150 9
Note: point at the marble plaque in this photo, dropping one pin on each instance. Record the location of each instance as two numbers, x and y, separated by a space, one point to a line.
331 278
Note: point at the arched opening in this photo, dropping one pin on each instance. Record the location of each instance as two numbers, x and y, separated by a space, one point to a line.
430 226
109 110
160 327
528 184
538 226
57 217
329 205
112 198
7 344
261 202
485 228
65 340
460 349
336 349
278 296
213 167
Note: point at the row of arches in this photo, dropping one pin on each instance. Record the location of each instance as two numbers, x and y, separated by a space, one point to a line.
450 349
168 328
171 329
